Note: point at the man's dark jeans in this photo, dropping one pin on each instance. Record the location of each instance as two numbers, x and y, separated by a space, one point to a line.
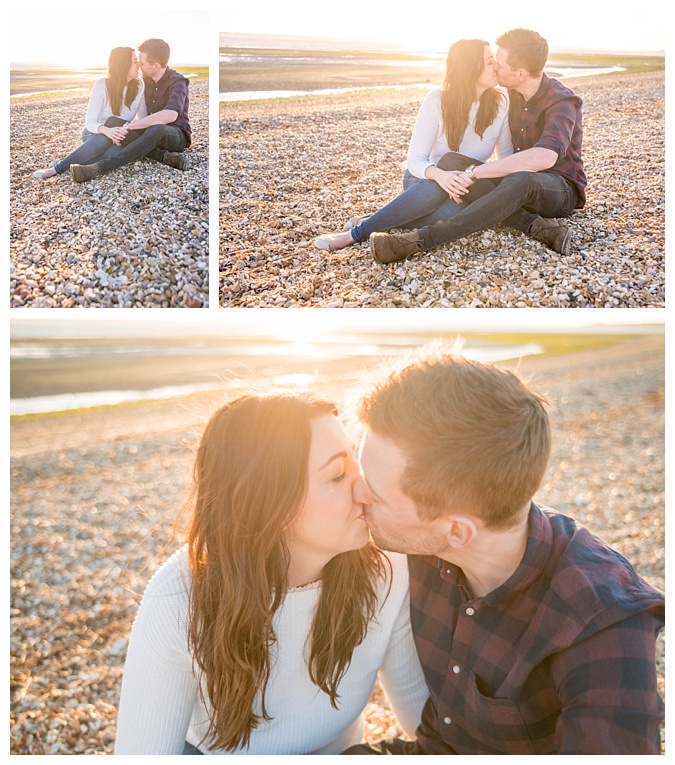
515 201
151 142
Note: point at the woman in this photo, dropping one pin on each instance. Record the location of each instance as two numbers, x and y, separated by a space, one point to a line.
119 94
468 116
265 633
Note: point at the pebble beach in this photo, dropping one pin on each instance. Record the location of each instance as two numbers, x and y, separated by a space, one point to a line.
292 169
137 237
95 495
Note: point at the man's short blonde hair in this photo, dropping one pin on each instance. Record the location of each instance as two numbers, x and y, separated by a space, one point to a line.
476 437
525 49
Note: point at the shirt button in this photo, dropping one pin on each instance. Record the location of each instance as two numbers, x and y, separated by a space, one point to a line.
447 720
470 611
455 669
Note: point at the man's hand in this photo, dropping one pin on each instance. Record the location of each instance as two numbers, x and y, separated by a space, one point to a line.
115 134
455 182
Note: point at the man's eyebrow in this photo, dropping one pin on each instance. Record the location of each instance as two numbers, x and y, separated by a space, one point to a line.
343 454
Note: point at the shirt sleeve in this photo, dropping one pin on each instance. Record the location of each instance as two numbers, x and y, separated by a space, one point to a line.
561 118
95 107
178 93
158 687
401 673
424 134
608 689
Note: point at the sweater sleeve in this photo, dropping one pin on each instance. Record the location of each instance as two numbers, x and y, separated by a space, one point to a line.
96 105
401 673
159 687
424 134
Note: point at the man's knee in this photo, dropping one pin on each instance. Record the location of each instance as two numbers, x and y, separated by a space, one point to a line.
520 181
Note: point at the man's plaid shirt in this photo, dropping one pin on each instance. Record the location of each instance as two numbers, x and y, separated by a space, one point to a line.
551 119
560 659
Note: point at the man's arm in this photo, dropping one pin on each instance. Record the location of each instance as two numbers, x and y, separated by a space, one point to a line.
163 117
608 689
531 160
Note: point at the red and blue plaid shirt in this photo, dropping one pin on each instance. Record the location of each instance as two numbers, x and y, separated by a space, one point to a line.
551 119
171 92
560 659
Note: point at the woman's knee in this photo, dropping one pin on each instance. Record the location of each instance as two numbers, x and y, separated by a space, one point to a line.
454 161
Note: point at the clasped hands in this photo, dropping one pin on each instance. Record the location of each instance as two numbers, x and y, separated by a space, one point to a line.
115 134
455 182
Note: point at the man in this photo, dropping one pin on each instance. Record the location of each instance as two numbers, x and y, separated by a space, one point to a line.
163 131
544 177
534 637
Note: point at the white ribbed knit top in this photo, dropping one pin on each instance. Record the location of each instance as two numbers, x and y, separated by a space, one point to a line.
161 708
428 142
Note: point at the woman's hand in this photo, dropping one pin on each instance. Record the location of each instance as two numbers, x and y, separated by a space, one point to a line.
115 134
455 182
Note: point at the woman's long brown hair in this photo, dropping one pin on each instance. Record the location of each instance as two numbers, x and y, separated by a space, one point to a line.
250 481
119 64
465 64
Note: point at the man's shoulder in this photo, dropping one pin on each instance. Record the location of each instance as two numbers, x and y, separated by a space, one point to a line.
175 76
592 578
555 91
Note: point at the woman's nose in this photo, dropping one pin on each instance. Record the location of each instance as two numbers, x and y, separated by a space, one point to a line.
360 493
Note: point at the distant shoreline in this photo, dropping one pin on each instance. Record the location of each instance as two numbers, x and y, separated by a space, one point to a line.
35 82
254 73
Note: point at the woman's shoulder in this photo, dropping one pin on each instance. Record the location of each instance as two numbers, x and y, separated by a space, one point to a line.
399 570
504 93
434 95
100 86
172 578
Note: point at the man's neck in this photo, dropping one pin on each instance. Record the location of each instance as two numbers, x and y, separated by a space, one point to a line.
492 558
160 74
529 87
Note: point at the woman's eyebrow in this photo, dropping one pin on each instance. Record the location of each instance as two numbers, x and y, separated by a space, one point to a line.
343 454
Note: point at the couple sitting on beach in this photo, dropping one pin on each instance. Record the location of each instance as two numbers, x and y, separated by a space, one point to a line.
129 118
507 629
531 124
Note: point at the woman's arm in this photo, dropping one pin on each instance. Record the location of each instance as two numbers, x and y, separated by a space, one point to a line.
424 135
95 108
159 688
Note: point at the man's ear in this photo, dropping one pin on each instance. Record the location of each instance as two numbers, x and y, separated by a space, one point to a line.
461 532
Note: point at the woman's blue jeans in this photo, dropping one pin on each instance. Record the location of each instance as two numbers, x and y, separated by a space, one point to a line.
422 203
94 147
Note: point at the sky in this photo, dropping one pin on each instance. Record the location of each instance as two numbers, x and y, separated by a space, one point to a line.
432 25
67 37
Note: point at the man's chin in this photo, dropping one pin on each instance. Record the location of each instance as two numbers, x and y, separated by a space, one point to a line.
383 544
